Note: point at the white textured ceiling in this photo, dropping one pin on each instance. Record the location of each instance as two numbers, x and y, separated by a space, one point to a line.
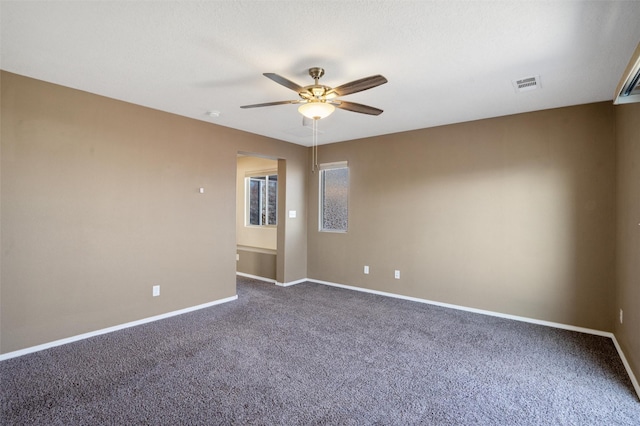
446 61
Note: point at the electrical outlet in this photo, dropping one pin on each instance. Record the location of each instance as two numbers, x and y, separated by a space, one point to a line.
156 290
396 274
237 256
366 269
621 316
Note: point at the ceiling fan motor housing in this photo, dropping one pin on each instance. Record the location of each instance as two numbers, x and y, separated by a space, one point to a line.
324 95
316 73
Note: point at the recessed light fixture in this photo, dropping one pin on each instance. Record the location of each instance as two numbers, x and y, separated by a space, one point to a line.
213 113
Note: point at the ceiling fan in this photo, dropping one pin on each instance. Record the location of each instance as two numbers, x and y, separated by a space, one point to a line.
319 101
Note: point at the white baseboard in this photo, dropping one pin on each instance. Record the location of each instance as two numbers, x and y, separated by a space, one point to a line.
290 283
270 280
41 347
467 309
83 336
255 277
610 335
627 367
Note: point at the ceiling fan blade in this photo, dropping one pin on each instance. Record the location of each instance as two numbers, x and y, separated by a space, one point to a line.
352 106
283 81
359 85
270 104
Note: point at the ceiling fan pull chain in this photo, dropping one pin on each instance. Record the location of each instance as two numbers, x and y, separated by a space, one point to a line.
316 132
314 147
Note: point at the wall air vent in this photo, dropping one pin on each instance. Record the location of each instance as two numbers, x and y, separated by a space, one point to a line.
527 83
628 89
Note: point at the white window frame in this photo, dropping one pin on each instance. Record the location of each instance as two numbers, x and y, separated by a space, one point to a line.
329 166
247 198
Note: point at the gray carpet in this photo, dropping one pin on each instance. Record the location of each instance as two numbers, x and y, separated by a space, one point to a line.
311 354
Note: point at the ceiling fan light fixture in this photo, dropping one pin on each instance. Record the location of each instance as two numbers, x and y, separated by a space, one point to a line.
316 110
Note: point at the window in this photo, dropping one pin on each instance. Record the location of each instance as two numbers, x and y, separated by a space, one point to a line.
262 200
334 189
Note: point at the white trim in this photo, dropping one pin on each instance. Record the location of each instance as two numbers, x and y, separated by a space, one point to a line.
247 199
632 377
270 280
261 173
610 335
473 310
83 336
252 249
334 165
290 283
627 367
255 277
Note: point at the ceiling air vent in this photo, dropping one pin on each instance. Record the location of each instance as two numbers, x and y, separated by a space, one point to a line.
526 84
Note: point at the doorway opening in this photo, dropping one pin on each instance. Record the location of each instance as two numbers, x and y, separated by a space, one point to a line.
257 194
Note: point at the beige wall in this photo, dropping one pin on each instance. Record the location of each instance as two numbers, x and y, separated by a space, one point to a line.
100 201
628 248
292 248
514 215
252 236
257 263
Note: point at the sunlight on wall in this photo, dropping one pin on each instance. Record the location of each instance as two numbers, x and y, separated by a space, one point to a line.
261 237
